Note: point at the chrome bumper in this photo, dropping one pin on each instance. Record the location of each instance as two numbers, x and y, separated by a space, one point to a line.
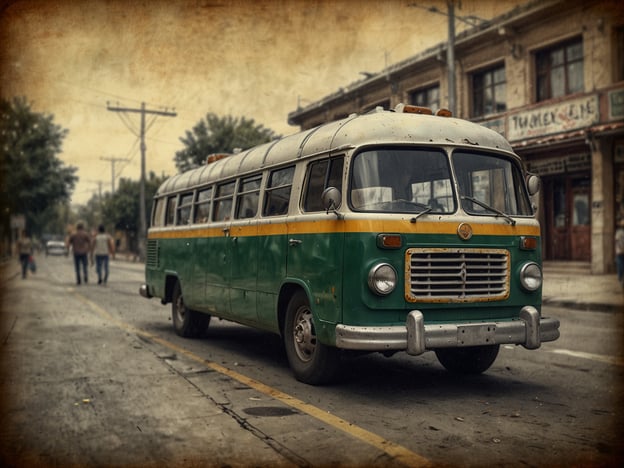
144 291
530 330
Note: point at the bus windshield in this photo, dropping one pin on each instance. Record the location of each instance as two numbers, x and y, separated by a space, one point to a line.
408 180
402 180
490 185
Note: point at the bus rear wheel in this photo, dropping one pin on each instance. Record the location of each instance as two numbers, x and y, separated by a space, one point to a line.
469 360
187 323
311 361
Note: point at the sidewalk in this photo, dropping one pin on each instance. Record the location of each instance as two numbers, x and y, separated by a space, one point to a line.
571 284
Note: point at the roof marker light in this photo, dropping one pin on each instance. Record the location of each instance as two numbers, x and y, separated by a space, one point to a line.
411 109
215 157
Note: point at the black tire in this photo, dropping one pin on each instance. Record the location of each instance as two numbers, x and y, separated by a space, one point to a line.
187 323
311 361
469 360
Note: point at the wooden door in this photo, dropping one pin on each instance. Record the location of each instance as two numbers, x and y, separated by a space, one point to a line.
568 218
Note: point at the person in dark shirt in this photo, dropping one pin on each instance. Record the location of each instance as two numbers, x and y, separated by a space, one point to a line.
80 242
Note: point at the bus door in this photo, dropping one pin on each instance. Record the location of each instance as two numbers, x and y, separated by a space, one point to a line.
316 242
243 250
218 256
273 244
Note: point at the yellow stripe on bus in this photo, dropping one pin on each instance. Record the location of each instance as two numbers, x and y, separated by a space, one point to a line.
351 226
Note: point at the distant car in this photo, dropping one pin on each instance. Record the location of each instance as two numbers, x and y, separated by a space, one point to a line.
56 248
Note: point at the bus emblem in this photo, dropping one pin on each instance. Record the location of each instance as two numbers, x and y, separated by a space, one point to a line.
464 231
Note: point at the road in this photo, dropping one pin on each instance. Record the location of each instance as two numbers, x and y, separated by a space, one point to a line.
95 376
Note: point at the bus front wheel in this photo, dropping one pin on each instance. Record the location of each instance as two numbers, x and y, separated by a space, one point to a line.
469 360
187 323
311 361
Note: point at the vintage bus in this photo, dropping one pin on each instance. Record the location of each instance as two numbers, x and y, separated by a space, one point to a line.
395 230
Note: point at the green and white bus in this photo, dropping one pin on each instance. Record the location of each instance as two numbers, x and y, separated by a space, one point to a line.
390 231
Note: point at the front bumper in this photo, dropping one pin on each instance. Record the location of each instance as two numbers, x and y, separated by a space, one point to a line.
530 330
144 291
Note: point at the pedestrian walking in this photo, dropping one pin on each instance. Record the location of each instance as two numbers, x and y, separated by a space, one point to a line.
103 246
80 242
619 251
25 251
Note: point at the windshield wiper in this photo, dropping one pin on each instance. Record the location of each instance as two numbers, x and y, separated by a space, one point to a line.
423 212
491 208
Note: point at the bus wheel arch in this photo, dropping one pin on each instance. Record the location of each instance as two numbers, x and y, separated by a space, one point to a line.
170 282
311 361
187 322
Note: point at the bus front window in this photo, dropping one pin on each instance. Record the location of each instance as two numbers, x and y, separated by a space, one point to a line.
490 185
402 180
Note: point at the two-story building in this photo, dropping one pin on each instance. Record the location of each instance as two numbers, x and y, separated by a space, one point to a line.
549 76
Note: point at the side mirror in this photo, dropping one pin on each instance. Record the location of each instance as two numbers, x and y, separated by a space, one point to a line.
533 184
331 198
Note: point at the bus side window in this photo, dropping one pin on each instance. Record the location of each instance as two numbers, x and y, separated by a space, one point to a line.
248 196
159 210
170 213
223 201
184 209
321 174
278 190
202 206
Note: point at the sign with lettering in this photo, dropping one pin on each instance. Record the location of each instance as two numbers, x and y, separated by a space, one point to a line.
569 163
555 118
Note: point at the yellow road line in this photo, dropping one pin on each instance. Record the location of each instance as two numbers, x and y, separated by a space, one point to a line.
396 451
616 361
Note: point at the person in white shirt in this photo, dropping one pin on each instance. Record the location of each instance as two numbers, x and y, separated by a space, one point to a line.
103 246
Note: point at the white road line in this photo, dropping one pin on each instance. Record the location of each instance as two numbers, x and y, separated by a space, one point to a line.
617 361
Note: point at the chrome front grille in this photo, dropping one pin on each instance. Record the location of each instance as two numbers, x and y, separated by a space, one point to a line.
152 254
456 275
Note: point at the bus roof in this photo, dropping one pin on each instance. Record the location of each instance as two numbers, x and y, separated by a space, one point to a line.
377 127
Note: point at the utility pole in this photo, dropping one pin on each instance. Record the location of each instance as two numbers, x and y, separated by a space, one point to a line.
450 56
143 111
470 20
113 161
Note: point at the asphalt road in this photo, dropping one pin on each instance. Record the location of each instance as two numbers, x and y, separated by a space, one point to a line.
95 376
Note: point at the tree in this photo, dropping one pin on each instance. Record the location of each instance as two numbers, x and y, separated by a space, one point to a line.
215 134
122 209
33 179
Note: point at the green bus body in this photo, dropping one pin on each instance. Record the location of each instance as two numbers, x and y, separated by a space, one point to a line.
462 279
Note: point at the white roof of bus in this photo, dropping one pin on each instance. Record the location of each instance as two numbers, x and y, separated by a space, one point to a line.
377 127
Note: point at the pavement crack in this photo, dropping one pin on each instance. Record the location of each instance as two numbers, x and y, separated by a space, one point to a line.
6 338
242 421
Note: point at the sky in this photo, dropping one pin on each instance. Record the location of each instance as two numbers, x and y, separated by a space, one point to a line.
248 58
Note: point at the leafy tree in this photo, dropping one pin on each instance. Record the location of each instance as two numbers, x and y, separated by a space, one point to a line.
215 134
122 209
33 179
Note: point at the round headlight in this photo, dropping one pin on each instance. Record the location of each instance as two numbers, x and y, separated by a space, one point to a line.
531 276
382 279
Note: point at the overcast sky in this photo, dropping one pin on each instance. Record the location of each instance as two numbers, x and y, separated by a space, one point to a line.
241 58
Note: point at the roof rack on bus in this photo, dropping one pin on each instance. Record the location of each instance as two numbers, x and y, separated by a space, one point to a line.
412 109
215 157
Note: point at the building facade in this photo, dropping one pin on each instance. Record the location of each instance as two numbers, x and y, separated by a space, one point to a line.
549 76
